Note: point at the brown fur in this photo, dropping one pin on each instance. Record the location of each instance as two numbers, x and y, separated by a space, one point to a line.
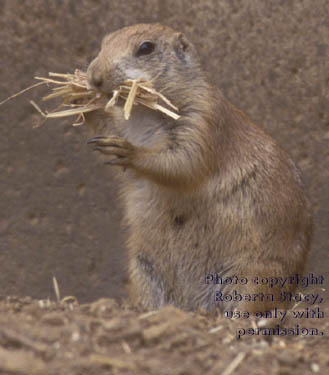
209 193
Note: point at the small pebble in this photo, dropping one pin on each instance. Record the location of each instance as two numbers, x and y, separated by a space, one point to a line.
315 368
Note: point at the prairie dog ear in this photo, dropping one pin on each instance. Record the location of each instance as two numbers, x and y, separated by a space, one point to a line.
182 41
181 45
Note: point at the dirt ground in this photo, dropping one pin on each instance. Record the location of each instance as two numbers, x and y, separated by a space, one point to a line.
104 337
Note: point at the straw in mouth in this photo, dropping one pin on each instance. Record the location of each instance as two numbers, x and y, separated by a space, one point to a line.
75 93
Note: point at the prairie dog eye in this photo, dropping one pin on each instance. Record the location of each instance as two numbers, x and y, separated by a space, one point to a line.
146 48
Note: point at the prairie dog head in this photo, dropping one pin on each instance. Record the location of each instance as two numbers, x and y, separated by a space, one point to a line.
153 52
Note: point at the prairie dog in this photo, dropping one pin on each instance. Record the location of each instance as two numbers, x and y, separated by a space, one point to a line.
208 194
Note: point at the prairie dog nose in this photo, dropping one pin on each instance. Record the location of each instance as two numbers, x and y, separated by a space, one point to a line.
94 76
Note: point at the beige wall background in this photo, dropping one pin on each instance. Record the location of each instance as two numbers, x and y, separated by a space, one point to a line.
59 214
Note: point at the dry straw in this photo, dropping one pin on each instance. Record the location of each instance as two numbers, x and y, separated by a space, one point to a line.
78 98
